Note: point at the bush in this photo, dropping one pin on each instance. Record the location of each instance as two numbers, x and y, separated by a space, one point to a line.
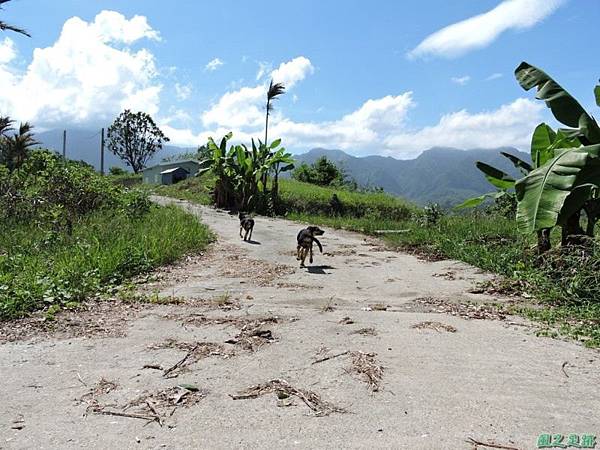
52 192
322 173
114 170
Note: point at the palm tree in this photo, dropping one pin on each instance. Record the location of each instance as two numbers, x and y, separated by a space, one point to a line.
275 90
18 146
6 26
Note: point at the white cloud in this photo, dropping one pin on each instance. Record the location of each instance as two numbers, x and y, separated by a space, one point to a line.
263 69
86 75
380 126
244 107
481 30
213 65
363 129
8 51
494 76
183 91
294 98
509 125
291 72
461 80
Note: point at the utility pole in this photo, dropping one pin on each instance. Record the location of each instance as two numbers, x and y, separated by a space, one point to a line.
64 144
102 153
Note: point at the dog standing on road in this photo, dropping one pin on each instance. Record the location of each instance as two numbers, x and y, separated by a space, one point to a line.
305 238
246 224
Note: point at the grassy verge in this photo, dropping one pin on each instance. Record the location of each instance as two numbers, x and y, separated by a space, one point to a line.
195 189
43 269
304 198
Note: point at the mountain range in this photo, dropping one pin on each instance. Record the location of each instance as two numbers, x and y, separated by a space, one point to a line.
441 174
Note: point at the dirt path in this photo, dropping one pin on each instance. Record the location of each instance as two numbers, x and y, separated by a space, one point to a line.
249 316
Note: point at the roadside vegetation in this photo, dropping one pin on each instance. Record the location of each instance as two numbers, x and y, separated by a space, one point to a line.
67 233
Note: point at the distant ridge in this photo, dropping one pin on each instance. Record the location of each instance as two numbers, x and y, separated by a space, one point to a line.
442 175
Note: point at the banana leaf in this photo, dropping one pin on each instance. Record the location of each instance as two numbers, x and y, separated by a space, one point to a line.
476 201
496 177
564 107
524 167
543 194
541 143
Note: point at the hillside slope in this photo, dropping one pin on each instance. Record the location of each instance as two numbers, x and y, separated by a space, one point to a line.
443 175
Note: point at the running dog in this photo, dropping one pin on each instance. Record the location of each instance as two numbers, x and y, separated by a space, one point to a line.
246 224
305 239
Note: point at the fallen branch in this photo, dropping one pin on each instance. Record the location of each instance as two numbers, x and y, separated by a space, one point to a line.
181 362
563 368
327 358
489 444
123 414
283 389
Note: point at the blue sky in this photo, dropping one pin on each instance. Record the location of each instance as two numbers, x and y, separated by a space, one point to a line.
379 77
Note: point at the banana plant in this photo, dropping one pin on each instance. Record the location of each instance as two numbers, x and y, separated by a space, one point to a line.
567 177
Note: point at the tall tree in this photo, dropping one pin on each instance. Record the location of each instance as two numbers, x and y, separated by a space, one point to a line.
275 90
6 26
135 138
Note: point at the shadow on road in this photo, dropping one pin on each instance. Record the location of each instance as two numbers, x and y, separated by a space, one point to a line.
318 270
252 242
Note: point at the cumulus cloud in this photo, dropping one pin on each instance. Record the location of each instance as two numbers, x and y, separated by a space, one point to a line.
213 65
378 126
461 80
8 51
263 69
244 107
183 91
292 72
88 74
481 30
509 125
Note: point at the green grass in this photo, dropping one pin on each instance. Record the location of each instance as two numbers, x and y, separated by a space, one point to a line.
127 179
194 189
304 198
40 269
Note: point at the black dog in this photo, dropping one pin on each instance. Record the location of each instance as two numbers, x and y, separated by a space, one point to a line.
305 239
246 224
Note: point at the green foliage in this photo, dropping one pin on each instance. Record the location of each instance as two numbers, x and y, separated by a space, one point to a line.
322 173
135 138
241 173
550 194
51 192
47 269
565 181
305 198
430 215
15 149
114 170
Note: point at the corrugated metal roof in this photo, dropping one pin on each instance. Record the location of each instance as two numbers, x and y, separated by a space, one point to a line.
183 161
173 170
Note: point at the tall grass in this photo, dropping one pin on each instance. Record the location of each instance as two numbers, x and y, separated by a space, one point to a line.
43 268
